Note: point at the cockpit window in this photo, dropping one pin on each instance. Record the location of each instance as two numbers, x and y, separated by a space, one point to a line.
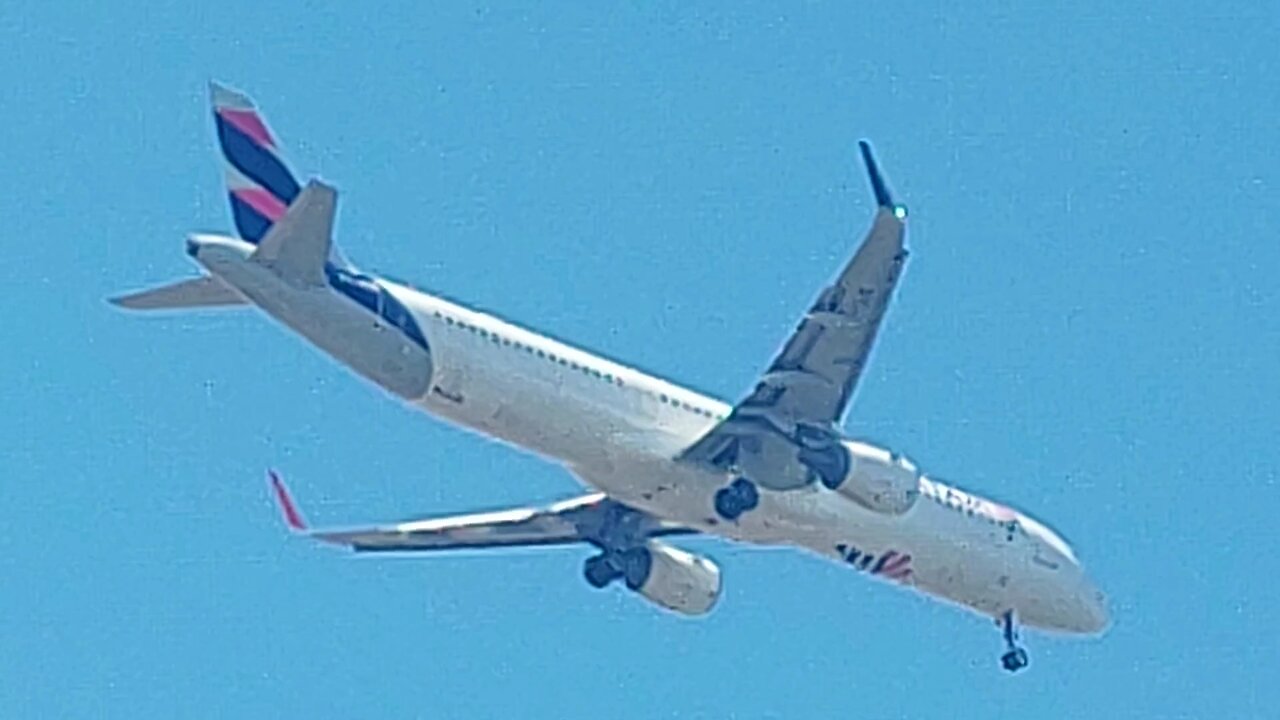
905 463
1012 520
1038 531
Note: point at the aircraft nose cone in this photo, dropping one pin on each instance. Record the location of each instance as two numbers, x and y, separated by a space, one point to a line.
1094 616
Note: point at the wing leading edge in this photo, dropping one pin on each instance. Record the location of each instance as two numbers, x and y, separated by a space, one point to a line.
809 384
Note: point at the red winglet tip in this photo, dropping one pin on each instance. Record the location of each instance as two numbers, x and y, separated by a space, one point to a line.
292 517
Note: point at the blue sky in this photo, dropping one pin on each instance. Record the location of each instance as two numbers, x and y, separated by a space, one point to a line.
1087 329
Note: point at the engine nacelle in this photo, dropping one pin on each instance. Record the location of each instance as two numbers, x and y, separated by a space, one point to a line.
676 580
877 479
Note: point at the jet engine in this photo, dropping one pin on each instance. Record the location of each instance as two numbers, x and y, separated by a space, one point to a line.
872 477
673 578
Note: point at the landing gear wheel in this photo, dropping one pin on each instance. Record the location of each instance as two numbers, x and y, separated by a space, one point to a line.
739 497
747 493
599 572
1014 660
726 503
636 565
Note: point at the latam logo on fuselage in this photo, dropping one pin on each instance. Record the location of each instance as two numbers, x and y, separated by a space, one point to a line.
891 564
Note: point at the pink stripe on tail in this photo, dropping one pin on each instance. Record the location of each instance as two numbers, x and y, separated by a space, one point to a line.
248 122
262 201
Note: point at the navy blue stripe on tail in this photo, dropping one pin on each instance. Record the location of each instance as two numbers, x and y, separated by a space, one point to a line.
256 162
250 224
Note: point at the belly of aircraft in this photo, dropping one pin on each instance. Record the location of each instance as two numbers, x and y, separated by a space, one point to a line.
925 549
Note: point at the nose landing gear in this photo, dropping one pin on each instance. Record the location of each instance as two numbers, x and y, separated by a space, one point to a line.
1016 657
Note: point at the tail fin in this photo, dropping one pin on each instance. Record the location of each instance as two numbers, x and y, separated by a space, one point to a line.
259 184
261 189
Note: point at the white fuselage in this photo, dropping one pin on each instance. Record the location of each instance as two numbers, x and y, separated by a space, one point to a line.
619 430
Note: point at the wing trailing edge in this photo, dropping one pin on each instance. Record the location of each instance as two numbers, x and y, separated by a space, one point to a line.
576 520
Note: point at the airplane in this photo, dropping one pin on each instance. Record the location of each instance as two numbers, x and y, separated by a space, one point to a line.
660 460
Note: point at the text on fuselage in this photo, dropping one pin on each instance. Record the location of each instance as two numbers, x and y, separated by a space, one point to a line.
891 564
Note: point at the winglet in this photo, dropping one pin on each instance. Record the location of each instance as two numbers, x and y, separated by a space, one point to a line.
292 517
883 198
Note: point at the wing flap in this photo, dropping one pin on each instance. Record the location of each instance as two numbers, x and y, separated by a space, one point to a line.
814 376
563 523
524 526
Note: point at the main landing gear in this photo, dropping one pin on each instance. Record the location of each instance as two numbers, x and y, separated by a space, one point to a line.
739 497
1016 657
632 566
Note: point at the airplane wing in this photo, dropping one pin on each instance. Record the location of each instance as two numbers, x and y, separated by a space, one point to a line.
808 386
577 520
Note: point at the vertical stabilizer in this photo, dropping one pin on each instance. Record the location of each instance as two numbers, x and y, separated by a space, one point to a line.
260 185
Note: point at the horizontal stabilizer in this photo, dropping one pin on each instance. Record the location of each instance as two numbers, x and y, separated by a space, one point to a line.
200 292
297 245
